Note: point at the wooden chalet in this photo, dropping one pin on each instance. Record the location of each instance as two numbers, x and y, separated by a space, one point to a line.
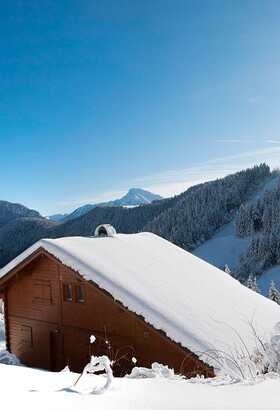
139 295
51 311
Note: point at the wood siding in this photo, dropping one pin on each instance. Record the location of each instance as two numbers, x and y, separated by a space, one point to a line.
46 331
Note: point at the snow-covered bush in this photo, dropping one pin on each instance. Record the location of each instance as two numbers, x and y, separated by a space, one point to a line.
157 370
98 364
5 356
8 358
267 358
121 358
241 364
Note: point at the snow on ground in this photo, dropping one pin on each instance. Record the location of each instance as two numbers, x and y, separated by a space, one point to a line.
32 389
224 248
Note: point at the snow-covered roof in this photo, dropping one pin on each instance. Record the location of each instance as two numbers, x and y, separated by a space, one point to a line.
193 302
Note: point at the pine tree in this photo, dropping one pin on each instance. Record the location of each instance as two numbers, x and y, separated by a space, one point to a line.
273 293
227 270
250 282
255 286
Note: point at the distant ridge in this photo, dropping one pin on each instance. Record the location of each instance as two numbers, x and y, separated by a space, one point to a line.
187 220
11 211
134 197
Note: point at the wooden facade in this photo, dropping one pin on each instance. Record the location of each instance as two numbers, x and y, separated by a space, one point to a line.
51 311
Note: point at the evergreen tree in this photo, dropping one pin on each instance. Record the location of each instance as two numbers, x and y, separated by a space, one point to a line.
255 287
273 293
250 282
227 270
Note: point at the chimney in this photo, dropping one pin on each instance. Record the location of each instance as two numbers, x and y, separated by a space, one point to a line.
105 230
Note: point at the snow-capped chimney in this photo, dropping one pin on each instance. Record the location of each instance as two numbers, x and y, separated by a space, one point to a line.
105 230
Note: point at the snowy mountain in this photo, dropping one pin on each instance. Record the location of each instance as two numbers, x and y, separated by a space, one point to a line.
134 197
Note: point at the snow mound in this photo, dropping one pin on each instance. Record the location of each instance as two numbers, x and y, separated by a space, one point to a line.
157 370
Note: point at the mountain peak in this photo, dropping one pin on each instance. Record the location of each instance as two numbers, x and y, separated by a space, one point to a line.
134 197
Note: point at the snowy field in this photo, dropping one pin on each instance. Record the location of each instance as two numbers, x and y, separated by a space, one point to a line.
27 388
32 389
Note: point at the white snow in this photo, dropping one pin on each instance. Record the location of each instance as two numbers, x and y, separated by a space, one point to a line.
5 356
143 198
2 333
225 247
195 303
98 364
92 339
157 370
30 389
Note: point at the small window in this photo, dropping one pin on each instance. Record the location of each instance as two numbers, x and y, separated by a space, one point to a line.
26 335
67 292
42 291
79 293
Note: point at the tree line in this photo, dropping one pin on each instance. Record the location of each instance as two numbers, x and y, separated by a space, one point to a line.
261 222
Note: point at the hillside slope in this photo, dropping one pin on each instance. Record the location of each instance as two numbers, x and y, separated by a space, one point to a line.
17 235
225 247
197 216
10 211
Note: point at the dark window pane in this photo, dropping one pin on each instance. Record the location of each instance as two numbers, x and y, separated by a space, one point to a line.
79 293
67 292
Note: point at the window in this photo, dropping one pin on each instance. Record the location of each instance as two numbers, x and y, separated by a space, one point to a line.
73 293
27 335
79 293
42 291
67 292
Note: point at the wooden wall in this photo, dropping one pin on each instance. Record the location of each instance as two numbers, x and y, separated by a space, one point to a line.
53 333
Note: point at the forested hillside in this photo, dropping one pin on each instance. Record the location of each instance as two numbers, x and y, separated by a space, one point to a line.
195 218
187 220
10 211
21 233
261 222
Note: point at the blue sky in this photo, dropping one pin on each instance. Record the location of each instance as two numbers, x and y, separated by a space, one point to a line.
101 96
